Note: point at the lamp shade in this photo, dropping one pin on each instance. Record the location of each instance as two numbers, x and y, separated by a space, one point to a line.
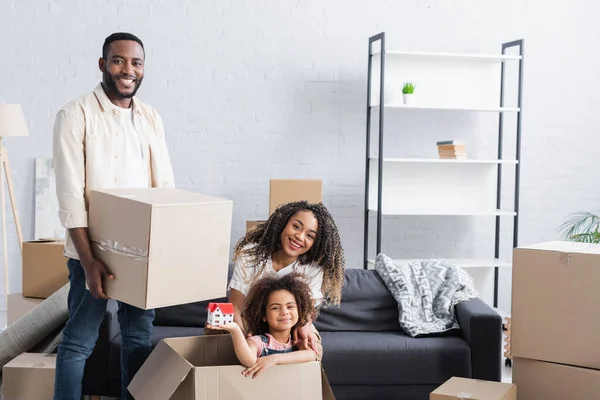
12 121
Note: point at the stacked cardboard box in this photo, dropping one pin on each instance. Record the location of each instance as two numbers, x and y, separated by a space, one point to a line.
283 191
555 321
452 149
44 271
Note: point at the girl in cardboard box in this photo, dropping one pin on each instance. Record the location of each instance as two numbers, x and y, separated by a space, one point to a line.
274 306
299 237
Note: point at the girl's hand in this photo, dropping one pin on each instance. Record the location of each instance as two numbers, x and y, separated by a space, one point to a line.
304 338
227 327
261 364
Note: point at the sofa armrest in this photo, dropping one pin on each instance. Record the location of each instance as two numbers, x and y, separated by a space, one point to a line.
481 327
95 377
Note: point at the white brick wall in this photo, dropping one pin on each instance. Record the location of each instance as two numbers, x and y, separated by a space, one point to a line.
251 90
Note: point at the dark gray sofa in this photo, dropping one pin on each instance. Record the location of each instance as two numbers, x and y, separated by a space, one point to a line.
366 354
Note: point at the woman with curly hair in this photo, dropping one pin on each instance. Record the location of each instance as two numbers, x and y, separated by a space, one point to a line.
298 237
274 306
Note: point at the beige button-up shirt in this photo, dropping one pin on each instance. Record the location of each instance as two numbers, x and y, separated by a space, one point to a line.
86 132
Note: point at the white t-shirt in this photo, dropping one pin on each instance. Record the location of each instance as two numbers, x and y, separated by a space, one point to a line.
245 274
128 158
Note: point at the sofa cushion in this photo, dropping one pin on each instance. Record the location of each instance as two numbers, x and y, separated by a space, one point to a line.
366 305
393 358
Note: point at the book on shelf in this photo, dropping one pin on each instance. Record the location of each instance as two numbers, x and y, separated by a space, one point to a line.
452 149
460 147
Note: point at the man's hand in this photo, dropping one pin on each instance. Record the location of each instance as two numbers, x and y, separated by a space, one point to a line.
95 270
261 365
304 338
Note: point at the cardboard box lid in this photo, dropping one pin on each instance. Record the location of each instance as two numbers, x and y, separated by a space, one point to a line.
162 197
33 361
173 358
474 389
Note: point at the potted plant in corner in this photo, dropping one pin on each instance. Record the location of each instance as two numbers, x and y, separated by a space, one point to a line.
581 226
407 92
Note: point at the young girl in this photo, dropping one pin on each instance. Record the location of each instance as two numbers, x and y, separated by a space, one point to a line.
298 237
274 306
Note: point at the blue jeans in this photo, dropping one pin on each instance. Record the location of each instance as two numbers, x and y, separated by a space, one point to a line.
81 333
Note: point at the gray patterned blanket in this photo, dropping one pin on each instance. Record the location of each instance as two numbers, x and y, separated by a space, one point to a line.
426 292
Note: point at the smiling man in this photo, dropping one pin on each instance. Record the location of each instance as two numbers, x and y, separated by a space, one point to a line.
105 139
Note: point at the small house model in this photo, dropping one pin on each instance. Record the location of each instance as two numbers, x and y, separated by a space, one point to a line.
220 313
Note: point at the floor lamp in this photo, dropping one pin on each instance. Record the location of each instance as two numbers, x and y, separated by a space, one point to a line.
12 123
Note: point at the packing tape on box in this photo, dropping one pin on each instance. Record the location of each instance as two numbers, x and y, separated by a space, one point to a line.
465 395
565 259
121 249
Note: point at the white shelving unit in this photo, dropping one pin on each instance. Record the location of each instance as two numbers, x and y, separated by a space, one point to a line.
412 186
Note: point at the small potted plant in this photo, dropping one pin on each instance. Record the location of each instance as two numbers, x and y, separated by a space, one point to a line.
407 92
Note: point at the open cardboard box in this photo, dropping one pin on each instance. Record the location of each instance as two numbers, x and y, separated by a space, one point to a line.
206 368
164 246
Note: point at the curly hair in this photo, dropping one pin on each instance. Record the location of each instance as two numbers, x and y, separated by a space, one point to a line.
326 250
255 305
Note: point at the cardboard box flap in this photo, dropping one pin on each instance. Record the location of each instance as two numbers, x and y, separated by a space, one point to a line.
464 388
565 247
160 375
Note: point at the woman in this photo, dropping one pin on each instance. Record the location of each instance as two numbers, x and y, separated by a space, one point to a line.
298 237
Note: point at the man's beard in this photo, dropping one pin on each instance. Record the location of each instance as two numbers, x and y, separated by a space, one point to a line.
112 84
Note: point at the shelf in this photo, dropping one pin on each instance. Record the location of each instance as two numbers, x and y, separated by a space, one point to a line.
417 186
449 108
466 213
450 56
461 262
444 161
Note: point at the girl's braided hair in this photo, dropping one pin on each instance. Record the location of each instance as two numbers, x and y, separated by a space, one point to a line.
255 305
326 250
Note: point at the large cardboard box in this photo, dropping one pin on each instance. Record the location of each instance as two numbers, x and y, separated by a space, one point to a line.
29 376
17 306
44 267
206 368
540 380
462 388
283 191
555 303
164 246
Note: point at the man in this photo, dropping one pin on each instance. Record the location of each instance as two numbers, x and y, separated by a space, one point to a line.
105 139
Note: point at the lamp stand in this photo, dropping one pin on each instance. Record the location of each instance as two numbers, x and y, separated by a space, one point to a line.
5 172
